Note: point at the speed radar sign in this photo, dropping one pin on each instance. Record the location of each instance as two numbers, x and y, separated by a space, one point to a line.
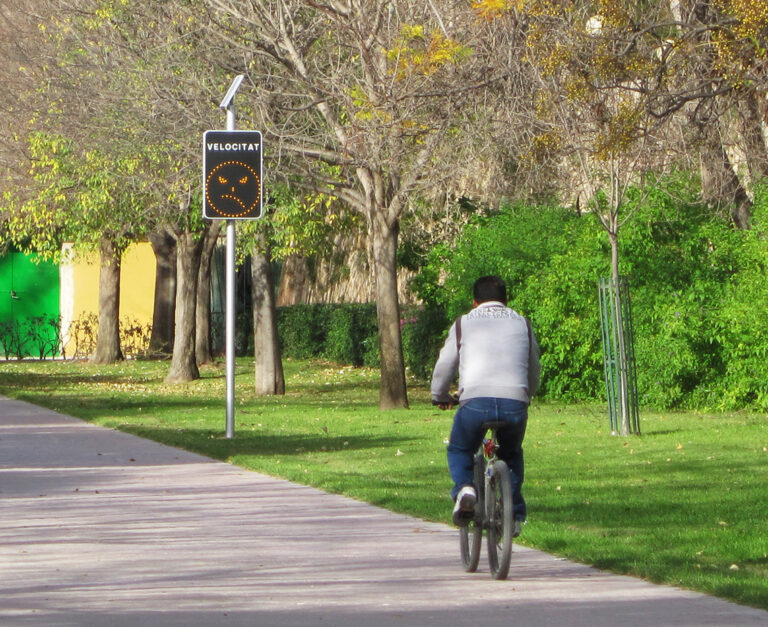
232 169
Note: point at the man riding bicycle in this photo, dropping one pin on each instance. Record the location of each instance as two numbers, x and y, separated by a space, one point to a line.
497 357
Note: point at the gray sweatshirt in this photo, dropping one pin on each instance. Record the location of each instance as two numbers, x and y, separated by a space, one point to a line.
493 355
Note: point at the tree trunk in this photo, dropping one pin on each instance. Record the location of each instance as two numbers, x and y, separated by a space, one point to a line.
719 184
108 338
164 247
268 372
613 237
183 363
203 310
753 140
392 392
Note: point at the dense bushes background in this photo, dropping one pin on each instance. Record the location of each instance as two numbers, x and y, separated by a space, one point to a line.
699 292
348 334
341 333
699 289
551 259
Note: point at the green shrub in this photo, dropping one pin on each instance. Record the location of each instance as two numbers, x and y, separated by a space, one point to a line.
689 268
344 333
698 289
371 351
551 259
423 330
562 302
348 334
301 331
740 324
368 332
340 343
351 330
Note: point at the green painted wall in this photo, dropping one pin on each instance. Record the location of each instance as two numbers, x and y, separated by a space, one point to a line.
28 292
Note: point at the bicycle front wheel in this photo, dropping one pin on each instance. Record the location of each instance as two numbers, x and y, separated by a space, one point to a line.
500 519
471 536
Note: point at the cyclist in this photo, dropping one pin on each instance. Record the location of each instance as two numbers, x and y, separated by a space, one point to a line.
496 354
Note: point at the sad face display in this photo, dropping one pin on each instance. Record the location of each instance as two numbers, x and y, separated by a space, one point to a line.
233 189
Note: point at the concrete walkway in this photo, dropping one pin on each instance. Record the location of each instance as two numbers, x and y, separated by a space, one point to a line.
99 527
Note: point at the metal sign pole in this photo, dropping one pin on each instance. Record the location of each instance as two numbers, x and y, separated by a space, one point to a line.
228 105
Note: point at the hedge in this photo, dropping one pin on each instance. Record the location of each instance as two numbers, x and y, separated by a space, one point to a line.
348 334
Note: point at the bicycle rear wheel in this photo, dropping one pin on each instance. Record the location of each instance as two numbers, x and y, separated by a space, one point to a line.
500 520
471 536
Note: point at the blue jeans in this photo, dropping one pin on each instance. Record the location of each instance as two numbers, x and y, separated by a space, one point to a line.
467 434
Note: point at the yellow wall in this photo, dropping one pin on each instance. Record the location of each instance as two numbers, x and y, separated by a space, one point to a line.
137 283
80 287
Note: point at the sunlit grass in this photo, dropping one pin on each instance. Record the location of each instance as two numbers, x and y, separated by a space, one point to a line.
683 504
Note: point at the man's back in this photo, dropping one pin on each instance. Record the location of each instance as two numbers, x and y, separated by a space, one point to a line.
494 353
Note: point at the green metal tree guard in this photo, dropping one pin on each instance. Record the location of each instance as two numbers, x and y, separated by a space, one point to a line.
619 356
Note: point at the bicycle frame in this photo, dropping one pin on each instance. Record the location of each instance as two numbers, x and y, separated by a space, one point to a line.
493 511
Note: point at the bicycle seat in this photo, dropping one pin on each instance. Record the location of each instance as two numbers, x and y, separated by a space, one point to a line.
494 424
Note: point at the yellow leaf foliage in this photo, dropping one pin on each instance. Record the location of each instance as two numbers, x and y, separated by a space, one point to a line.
741 46
417 54
751 14
620 132
542 147
491 9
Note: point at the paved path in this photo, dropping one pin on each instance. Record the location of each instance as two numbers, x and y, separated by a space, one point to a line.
99 527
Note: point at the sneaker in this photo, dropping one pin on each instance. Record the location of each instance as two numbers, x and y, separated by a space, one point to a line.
517 528
464 509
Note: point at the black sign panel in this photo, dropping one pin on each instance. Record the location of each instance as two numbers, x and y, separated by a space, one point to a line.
232 175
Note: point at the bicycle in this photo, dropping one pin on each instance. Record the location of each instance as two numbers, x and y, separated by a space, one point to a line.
494 512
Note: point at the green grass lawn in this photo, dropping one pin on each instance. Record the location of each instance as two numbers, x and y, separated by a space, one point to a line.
683 504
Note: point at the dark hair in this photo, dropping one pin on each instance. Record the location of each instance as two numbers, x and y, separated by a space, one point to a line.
490 288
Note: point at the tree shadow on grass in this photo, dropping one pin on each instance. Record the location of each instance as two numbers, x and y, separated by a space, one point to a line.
93 408
333 387
246 442
55 380
88 406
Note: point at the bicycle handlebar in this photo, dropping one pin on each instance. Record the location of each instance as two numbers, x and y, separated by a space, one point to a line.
453 402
